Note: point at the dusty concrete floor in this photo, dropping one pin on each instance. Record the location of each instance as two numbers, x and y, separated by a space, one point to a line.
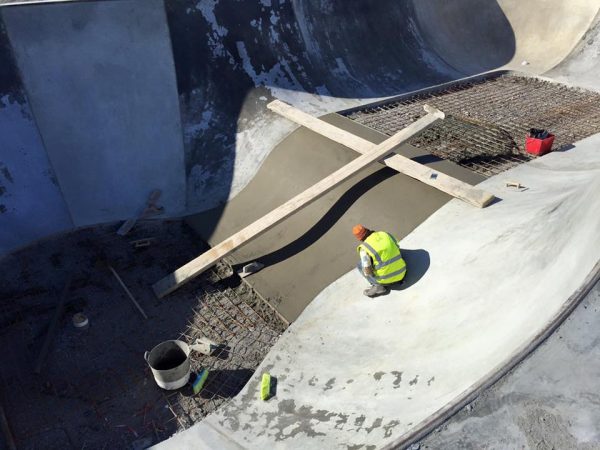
550 401
95 389
315 246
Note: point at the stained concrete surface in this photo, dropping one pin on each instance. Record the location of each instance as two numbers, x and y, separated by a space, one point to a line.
31 203
549 401
103 104
315 246
493 279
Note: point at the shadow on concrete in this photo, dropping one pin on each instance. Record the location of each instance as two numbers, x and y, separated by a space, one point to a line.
333 214
417 263
225 383
427 159
564 148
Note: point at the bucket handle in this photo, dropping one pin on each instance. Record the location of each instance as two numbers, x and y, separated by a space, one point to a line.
146 356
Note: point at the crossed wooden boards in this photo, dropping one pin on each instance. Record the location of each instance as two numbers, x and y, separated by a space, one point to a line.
370 153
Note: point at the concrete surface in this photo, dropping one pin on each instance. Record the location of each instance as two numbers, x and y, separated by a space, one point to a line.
493 279
540 34
31 203
549 401
230 59
108 100
317 244
582 65
103 104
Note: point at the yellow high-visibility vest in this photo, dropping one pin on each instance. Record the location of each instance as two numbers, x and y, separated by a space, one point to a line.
388 265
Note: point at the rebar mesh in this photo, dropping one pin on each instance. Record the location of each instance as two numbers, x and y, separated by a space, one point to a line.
95 389
246 334
488 120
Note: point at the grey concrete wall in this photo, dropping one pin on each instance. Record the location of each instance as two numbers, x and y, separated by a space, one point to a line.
232 58
133 95
31 203
583 64
101 82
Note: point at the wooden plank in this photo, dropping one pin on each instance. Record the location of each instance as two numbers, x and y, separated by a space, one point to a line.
252 231
149 210
129 294
445 183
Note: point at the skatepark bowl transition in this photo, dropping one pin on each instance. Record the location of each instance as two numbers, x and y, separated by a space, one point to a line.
104 102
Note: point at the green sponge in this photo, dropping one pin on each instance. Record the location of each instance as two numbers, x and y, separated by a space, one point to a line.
265 386
199 381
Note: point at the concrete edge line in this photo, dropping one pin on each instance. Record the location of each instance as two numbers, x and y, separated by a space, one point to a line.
232 261
489 75
34 120
42 2
443 414
496 73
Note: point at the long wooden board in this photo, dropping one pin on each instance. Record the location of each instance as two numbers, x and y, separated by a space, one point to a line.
252 231
407 166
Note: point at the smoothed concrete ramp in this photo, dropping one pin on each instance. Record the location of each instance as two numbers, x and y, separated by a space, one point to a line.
315 246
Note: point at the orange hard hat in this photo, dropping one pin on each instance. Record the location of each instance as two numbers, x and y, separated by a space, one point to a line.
360 232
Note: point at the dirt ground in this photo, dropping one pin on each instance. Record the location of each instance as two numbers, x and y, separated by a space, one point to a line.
95 390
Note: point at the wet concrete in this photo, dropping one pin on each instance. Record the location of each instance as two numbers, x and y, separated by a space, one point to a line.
316 246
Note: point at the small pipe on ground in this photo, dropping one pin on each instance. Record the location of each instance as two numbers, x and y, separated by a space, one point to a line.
129 294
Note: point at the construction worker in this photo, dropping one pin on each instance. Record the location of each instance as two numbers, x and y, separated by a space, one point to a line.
381 262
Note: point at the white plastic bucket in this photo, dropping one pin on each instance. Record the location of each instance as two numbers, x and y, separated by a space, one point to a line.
170 364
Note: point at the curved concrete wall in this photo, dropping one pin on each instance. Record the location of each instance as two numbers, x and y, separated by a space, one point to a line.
31 202
474 35
126 96
582 66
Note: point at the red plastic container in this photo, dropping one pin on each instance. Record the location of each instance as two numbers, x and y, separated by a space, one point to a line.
539 147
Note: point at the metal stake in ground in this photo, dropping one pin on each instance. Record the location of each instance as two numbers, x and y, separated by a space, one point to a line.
129 294
52 328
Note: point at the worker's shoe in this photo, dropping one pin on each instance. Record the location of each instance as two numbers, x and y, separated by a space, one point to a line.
376 290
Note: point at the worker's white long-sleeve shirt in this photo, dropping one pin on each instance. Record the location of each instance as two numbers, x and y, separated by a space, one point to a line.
365 259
